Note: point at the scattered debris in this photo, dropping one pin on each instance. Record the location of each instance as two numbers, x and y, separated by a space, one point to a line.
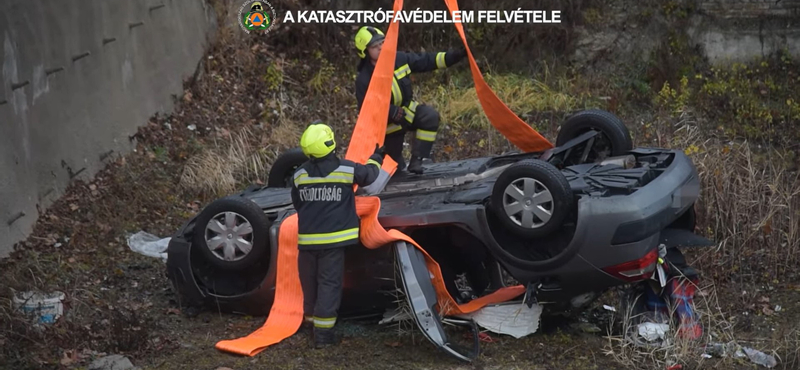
760 358
651 331
514 319
149 245
737 351
483 337
394 315
47 308
721 349
113 362
192 127
609 308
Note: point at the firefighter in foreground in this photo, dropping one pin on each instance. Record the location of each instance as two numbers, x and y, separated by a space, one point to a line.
327 223
405 114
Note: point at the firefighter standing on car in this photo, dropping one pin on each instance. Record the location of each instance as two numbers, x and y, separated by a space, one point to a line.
323 196
405 114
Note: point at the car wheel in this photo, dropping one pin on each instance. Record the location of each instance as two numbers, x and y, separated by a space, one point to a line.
532 198
280 175
232 233
614 139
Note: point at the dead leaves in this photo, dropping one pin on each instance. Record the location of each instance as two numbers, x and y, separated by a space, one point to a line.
173 311
767 228
74 357
763 305
68 358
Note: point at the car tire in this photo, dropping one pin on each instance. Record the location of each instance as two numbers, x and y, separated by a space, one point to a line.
215 233
280 175
614 131
528 178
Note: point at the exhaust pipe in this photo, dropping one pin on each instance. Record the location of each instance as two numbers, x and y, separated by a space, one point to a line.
625 161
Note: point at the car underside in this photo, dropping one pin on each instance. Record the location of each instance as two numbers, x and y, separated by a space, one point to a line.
568 223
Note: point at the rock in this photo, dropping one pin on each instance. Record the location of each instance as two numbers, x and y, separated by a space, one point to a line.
113 362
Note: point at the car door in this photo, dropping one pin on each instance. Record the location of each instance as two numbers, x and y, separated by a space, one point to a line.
421 297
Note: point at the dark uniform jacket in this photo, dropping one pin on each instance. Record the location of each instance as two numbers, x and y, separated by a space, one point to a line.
404 65
323 197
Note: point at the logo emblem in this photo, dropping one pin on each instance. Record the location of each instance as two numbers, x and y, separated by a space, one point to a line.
256 16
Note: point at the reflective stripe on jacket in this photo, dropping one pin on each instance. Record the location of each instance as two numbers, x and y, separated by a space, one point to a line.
323 197
405 64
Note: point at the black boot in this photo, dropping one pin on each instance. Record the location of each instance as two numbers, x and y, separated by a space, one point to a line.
324 338
307 330
415 166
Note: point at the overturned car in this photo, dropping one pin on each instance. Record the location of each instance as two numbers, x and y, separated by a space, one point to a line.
568 223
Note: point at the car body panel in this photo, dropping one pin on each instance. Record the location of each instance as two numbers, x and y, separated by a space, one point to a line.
421 297
610 226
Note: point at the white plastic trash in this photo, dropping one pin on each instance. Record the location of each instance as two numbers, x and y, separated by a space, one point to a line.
149 245
651 331
514 319
46 307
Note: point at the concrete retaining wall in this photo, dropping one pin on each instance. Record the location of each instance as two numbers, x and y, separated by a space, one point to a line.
739 30
78 77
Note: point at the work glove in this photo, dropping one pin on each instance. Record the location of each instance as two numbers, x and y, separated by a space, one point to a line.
379 150
399 116
378 154
459 54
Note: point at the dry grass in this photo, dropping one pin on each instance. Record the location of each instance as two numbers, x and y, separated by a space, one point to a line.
460 107
285 135
241 158
674 349
749 205
719 347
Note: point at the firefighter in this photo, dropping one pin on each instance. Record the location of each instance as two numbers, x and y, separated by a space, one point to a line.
323 197
405 114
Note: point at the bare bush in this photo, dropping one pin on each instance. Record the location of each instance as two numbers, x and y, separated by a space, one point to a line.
241 158
220 169
632 351
749 205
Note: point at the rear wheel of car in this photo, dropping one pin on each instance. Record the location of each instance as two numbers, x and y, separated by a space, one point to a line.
232 233
280 175
532 198
614 139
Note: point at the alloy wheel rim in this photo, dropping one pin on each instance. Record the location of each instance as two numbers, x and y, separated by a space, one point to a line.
229 236
528 203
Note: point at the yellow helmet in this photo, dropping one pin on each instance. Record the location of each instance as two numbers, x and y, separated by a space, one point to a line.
256 7
366 37
318 140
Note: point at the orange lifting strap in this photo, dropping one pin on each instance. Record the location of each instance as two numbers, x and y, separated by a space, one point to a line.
286 314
